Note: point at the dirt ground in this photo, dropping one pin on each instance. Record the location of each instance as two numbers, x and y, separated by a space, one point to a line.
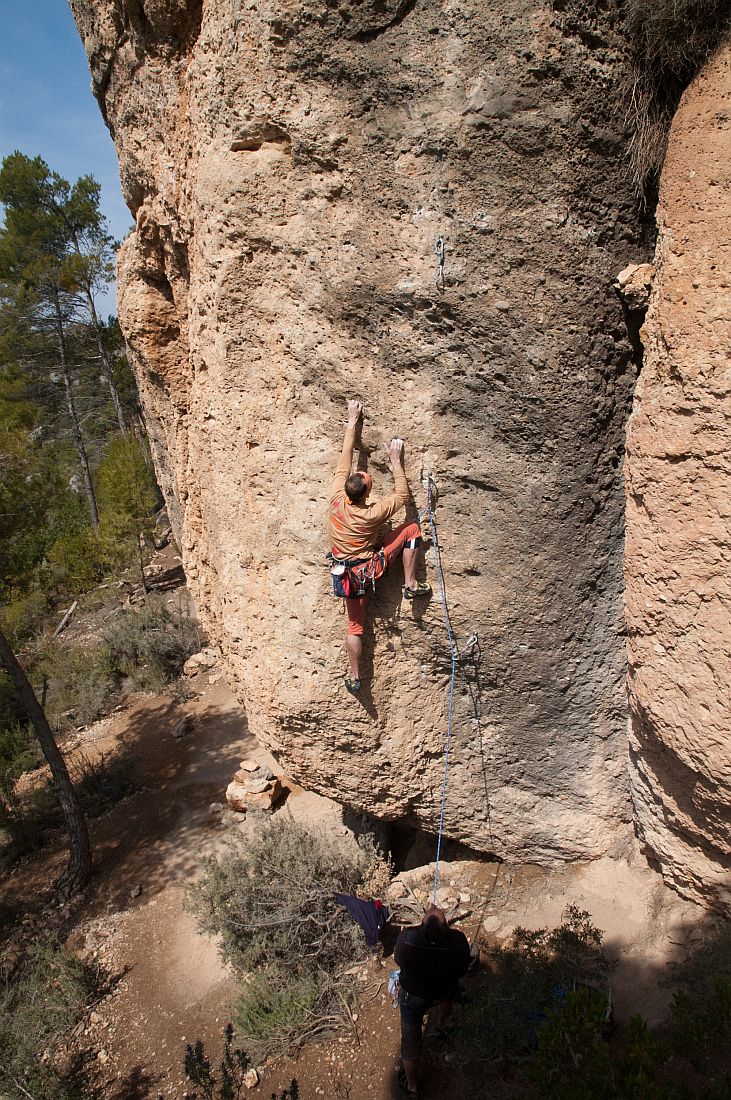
170 987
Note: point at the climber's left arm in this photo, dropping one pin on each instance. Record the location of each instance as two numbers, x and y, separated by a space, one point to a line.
355 411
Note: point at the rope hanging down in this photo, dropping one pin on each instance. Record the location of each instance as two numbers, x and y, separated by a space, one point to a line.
455 662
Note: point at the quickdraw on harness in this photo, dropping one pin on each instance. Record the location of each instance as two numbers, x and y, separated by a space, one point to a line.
351 577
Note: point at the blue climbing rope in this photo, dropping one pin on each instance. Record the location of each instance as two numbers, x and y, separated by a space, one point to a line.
455 662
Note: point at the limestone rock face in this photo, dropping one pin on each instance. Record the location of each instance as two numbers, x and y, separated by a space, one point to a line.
678 469
290 167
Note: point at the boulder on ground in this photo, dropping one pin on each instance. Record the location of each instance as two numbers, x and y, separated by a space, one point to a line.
260 794
206 658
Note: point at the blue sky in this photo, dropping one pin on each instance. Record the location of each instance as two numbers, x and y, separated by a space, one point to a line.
47 108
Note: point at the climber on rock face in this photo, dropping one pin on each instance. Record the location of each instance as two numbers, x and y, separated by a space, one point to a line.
356 538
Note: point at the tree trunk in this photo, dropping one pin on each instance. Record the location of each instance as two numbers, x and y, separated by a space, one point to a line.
141 559
106 364
74 417
78 870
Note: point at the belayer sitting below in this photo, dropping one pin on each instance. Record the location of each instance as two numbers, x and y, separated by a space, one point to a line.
359 555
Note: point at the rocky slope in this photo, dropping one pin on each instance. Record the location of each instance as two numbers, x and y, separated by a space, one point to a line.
678 556
290 168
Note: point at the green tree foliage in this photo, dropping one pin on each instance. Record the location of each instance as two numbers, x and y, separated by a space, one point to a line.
128 495
28 485
40 266
75 489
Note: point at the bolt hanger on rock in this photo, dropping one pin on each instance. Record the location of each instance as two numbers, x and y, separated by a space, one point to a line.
440 249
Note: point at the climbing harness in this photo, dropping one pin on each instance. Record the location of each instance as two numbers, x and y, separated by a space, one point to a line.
440 249
431 497
350 578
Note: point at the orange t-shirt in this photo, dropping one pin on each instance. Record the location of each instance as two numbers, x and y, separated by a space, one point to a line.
354 528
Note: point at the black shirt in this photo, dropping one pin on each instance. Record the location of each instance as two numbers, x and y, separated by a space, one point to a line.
431 968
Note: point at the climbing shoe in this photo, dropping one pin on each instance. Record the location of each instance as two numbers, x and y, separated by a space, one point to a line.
422 589
353 686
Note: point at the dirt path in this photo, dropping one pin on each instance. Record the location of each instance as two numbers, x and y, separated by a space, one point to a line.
174 988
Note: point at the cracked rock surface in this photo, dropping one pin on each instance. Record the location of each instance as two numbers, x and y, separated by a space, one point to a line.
290 167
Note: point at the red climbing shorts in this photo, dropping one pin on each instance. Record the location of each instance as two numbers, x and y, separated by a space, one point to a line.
392 547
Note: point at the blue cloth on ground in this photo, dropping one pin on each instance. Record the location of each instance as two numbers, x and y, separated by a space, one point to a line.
370 915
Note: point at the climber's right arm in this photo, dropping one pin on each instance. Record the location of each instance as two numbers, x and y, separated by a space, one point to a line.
355 410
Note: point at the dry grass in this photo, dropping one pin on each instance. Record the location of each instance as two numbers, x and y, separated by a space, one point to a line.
670 40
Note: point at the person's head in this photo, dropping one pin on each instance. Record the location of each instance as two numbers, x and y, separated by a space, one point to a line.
358 486
434 923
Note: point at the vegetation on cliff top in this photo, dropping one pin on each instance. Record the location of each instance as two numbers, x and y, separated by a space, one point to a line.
670 40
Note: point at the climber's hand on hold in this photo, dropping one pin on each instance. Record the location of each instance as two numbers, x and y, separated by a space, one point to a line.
355 411
395 450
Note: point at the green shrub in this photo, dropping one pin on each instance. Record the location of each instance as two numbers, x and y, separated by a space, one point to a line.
270 898
82 682
574 1060
278 1009
228 1084
19 752
150 646
127 485
504 1013
577 1058
118 542
128 498
78 561
37 1011
272 890
701 1019
11 711
23 616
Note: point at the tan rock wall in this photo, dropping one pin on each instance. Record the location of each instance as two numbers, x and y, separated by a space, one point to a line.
678 468
290 167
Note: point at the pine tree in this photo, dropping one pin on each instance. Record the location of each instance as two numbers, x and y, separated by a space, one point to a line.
29 485
38 264
92 267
